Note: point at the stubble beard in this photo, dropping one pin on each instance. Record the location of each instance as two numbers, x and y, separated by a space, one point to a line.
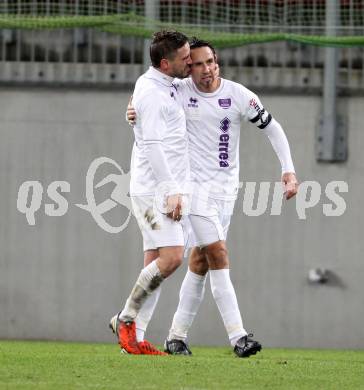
181 74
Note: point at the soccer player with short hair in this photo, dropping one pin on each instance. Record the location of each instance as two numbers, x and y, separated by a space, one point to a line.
214 109
159 178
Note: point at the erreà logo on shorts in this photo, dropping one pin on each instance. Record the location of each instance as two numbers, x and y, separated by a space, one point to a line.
225 103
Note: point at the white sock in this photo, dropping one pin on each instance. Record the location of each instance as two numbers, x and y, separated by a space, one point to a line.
190 297
146 312
225 298
149 279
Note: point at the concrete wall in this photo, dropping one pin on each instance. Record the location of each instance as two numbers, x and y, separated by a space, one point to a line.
64 277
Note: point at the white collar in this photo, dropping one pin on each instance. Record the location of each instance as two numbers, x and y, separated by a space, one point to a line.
155 74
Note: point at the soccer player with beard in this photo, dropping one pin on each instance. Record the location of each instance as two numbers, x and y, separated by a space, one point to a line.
214 109
159 171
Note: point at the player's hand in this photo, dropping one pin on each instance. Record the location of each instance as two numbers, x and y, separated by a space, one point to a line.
290 184
174 207
216 71
130 112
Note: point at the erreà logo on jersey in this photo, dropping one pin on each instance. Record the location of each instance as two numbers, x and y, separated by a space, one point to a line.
225 124
193 102
225 103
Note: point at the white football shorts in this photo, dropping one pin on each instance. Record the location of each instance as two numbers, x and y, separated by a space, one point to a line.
157 229
210 220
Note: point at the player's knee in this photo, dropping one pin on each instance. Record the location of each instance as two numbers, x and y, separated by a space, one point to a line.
172 262
200 268
176 261
198 264
173 265
217 255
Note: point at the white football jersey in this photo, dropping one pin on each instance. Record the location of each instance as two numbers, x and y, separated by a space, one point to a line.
161 120
213 126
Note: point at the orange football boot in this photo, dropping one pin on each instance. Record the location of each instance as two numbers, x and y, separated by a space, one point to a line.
127 338
147 348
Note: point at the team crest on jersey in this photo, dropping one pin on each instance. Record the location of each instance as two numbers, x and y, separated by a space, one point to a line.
193 102
225 103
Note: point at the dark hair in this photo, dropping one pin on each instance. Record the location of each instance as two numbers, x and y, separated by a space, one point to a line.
165 44
195 43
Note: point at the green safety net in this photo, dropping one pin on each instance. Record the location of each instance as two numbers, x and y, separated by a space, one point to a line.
133 25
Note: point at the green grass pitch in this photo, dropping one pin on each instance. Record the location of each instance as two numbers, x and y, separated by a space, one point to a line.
56 365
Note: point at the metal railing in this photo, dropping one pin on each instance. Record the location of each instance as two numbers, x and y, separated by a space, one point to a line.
90 56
